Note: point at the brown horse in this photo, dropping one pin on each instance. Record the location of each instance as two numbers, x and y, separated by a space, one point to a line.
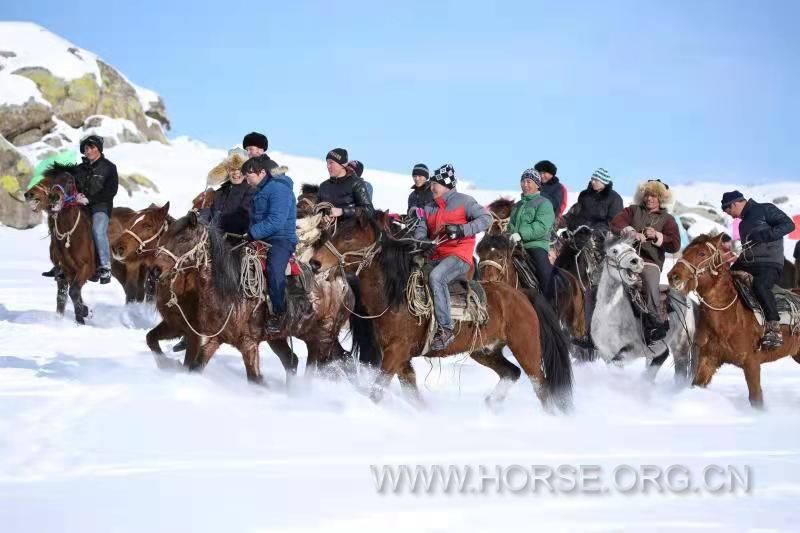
204 200
132 275
727 331
384 265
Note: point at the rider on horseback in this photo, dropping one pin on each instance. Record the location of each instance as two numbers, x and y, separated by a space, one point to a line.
96 178
358 167
272 220
531 223
421 194
344 189
230 210
597 205
656 231
459 217
762 228
255 144
551 187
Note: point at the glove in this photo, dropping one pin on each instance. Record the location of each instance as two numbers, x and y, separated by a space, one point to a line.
81 199
426 247
454 231
515 238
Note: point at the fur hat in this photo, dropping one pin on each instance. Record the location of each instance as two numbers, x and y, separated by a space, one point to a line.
219 174
546 166
259 140
656 188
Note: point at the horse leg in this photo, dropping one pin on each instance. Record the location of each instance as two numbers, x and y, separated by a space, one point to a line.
81 311
197 355
141 282
286 356
706 366
507 371
150 285
130 285
252 361
395 358
752 373
408 384
61 294
162 331
655 365
528 353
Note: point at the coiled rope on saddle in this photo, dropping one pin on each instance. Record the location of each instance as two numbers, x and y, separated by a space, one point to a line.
252 280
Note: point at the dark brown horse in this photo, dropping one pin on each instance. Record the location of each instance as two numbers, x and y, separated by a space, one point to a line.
132 275
384 265
727 331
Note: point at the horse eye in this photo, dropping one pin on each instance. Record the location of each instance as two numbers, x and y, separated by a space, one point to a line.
702 254
614 251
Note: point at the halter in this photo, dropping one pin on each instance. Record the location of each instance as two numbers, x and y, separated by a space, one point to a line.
66 201
157 235
367 254
501 223
711 265
501 267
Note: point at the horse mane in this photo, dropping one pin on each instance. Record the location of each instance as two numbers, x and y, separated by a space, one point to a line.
502 203
708 237
309 188
57 170
498 241
226 267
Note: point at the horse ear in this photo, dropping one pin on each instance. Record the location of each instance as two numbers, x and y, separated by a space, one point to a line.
165 208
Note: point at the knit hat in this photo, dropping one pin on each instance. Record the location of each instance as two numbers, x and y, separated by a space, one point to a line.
602 176
92 140
546 166
357 167
339 155
533 175
259 140
445 175
729 197
421 169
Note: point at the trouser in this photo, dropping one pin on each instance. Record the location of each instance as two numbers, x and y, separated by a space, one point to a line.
277 258
100 234
540 258
447 270
651 276
764 278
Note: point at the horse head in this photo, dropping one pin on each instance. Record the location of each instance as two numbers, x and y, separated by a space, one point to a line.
37 196
494 256
699 264
306 202
148 226
180 239
623 262
500 210
62 189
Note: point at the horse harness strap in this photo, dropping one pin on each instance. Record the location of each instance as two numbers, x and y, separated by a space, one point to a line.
142 243
713 268
68 234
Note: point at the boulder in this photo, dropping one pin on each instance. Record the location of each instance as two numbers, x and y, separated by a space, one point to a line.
73 101
15 173
136 182
17 119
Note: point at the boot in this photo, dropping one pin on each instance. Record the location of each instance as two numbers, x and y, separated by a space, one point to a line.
181 346
655 330
274 324
772 337
104 274
443 338
52 273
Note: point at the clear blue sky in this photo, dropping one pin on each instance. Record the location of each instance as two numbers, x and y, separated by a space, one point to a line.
684 90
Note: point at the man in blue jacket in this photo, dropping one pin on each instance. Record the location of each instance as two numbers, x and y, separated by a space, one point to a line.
272 220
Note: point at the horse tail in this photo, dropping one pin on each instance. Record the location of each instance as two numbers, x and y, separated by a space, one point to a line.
365 342
556 363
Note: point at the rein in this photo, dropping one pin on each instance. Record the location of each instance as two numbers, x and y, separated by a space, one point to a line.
715 265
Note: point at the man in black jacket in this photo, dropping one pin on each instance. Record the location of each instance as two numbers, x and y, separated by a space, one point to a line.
762 229
421 194
347 192
552 188
96 178
596 205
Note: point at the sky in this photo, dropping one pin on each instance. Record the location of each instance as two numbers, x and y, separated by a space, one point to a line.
682 90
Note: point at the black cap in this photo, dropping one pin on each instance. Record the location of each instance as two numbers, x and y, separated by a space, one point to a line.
338 155
92 140
357 166
729 197
259 140
546 166
421 169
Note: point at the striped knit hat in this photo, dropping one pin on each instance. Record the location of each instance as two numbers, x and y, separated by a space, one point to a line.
602 176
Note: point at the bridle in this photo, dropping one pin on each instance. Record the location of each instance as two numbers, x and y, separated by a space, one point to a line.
142 243
711 265
66 201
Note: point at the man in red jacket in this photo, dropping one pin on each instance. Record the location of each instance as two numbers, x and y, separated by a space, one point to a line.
459 218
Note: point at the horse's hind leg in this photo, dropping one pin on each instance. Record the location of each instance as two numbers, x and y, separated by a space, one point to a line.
752 373
507 371
287 357
528 353
81 310
198 355
61 293
394 360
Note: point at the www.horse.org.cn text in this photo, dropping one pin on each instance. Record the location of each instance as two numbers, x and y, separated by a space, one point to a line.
562 479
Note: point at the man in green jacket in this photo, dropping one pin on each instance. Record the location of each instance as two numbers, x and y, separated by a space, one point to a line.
531 223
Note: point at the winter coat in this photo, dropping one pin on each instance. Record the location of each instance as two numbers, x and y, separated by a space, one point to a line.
456 208
99 182
420 196
637 218
762 229
797 254
595 209
273 210
555 191
348 193
231 208
533 218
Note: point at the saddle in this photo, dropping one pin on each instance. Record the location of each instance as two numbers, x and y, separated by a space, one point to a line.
788 301
300 277
467 298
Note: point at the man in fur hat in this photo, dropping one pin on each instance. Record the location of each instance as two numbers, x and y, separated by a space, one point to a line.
656 233
231 208
255 144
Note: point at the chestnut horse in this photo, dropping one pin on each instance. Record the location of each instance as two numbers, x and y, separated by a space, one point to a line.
727 331
132 275
384 265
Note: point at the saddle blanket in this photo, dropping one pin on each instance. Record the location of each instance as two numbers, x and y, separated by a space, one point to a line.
788 301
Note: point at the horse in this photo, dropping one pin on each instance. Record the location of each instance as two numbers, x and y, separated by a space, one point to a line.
727 331
361 246
616 329
204 200
221 308
132 275
501 260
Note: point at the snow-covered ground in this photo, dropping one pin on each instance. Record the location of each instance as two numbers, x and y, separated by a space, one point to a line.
93 437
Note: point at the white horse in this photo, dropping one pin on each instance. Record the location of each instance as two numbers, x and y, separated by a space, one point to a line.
617 331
